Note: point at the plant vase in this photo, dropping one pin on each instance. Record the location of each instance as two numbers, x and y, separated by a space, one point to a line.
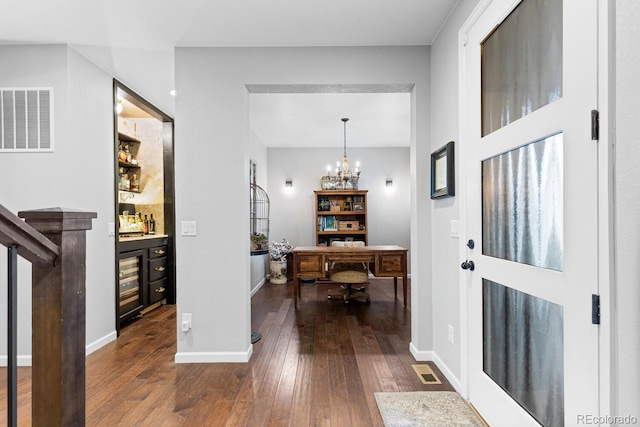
278 272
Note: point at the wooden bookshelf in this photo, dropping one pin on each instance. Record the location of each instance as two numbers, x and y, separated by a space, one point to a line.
343 218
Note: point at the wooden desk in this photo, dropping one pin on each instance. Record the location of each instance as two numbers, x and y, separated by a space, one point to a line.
387 261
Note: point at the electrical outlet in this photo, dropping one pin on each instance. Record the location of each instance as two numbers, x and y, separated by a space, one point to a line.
186 322
450 334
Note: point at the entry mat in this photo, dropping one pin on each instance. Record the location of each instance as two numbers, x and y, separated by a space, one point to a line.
426 374
426 409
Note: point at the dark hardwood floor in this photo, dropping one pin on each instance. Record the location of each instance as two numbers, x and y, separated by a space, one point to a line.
319 365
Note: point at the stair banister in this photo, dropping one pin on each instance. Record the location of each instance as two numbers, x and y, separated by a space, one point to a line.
54 241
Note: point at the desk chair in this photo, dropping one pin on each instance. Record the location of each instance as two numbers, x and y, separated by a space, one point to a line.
349 274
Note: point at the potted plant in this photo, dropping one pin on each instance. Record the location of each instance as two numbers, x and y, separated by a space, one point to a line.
278 252
259 242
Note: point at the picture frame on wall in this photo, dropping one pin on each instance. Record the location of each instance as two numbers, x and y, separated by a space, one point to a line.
443 172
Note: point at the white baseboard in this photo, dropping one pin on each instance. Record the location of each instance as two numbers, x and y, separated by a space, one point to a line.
20 360
431 356
101 342
26 360
214 357
421 356
259 285
453 380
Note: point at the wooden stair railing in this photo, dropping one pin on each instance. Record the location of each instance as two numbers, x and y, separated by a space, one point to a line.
54 241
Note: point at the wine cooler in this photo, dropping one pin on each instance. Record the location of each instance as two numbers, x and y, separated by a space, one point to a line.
129 287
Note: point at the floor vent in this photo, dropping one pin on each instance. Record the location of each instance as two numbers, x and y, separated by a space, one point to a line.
426 374
26 119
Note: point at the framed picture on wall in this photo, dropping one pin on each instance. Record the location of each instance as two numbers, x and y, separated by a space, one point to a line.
443 176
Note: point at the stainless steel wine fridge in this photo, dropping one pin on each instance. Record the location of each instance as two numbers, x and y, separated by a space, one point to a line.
130 284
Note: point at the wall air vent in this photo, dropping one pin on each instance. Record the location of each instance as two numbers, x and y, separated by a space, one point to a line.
26 120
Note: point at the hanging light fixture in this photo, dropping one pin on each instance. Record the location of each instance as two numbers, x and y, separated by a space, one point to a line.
344 177
345 159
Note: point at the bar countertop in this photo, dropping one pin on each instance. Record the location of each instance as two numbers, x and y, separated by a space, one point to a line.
129 238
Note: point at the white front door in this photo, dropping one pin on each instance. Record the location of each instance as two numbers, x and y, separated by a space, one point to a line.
531 210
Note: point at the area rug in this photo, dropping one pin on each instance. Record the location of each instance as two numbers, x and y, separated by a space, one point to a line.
427 409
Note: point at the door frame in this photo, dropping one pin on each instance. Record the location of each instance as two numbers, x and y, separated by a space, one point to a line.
168 159
606 273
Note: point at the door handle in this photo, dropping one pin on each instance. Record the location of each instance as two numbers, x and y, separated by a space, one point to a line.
468 265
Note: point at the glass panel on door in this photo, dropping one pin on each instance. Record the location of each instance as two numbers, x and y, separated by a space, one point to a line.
522 204
523 350
522 63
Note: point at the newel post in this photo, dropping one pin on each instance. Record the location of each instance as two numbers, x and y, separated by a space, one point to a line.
58 319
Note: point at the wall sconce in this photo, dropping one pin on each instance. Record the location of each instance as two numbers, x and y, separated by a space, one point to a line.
389 182
288 183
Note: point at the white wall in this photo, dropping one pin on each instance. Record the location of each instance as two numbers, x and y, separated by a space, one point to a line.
92 144
79 174
149 72
212 123
293 209
627 207
444 128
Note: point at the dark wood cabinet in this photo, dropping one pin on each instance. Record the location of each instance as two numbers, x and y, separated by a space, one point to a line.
158 269
144 275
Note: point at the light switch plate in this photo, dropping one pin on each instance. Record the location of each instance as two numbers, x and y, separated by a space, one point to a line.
111 229
188 228
454 228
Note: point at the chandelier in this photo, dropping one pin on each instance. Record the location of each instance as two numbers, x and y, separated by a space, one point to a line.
344 179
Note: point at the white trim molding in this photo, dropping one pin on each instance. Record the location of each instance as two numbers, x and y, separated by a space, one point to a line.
101 342
431 356
214 357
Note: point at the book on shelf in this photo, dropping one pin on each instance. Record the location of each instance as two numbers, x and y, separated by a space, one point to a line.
332 223
327 223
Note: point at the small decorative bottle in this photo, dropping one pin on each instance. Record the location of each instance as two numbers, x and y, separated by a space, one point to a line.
135 184
122 156
152 225
146 225
120 178
139 223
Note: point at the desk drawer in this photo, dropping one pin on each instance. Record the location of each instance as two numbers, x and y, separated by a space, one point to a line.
157 268
389 265
312 265
351 258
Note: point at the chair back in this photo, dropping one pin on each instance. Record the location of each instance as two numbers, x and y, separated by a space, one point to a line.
341 244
